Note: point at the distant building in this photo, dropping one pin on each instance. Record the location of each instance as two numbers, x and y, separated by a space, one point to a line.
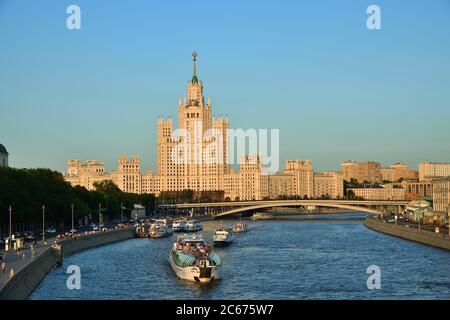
85 174
430 170
128 176
231 186
398 171
3 156
362 171
254 182
328 184
441 195
415 189
303 182
281 185
385 192
388 174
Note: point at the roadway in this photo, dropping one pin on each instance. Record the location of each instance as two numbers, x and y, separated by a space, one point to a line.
415 225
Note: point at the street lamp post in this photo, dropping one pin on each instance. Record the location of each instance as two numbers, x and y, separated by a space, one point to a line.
72 206
448 218
419 220
10 222
43 223
121 213
99 213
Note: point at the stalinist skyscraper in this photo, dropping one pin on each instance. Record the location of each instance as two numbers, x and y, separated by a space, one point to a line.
195 155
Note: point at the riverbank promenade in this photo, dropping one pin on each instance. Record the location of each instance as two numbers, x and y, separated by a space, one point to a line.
26 268
424 234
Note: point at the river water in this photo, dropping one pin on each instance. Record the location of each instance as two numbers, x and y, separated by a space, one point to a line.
315 259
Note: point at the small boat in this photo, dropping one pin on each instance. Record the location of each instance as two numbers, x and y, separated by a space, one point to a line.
222 237
261 216
179 226
165 222
159 231
192 259
239 227
193 226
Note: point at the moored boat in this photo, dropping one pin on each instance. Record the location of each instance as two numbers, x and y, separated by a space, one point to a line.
159 231
179 226
192 259
222 237
261 216
141 231
193 226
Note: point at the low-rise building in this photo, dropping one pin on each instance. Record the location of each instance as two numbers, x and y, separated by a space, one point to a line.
415 189
384 192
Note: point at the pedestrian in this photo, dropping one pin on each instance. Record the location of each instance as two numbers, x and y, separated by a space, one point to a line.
2 264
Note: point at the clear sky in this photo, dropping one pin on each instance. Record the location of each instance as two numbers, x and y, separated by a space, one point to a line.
335 89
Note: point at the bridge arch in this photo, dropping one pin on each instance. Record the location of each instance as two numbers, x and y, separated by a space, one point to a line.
296 204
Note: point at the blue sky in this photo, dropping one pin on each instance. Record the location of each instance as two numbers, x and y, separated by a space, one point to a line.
335 89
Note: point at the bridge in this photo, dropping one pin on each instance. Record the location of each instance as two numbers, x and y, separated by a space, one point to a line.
220 209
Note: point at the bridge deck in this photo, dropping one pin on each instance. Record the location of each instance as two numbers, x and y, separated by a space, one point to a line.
369 206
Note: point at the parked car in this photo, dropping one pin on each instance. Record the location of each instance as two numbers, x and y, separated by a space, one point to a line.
94 227
29 236
50 230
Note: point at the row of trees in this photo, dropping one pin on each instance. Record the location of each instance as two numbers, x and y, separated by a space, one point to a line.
26 190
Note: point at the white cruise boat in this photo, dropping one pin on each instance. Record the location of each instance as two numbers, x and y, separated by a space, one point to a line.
261 216
193 226
159 231
192 259
239 227
165 222
222 237
179 226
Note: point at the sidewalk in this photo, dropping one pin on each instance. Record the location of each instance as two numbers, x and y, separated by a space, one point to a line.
15 261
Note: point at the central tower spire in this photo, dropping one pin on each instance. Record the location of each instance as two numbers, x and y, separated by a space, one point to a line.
194 77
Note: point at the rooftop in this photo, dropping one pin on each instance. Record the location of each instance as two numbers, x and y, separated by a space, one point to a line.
3 149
